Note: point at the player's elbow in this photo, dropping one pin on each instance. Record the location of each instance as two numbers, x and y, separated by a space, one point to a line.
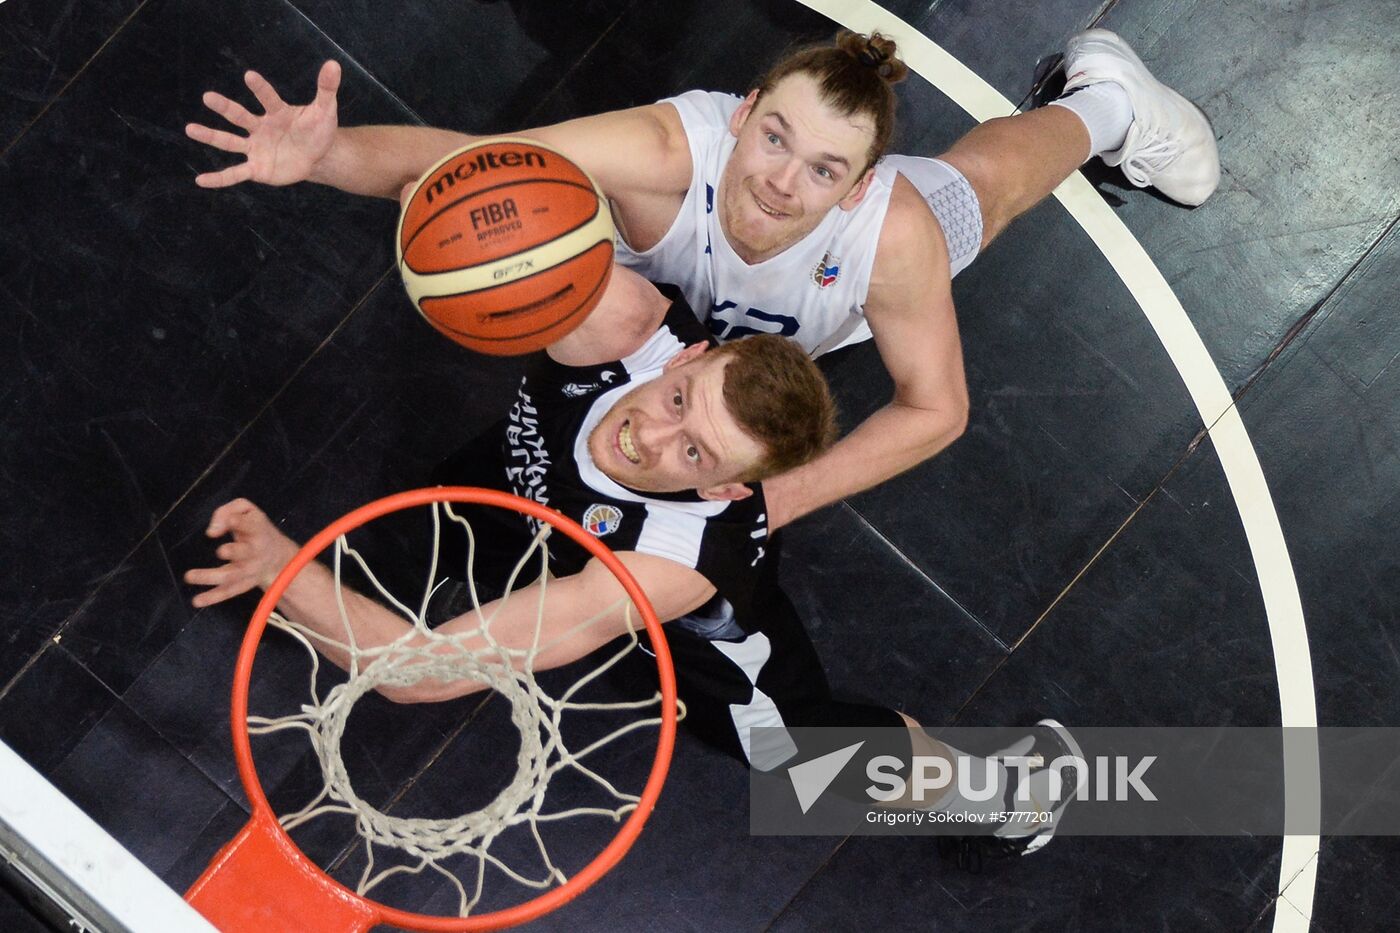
943 427
415 693
952 413
943 424
427 690
955 418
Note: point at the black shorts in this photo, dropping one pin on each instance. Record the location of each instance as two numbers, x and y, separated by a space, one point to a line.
770 677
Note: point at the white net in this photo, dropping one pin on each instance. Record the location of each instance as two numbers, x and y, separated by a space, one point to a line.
473 654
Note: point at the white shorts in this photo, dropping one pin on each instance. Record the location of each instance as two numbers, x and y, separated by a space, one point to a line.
952 200
950 196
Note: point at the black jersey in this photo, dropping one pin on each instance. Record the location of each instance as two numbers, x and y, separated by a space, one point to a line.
545 446
742 661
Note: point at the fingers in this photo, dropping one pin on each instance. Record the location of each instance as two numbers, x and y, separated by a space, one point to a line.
223 582
239 116
230 110
208 576
229 516
218 594
219 139
263 92
233 551
239 574
232 175
327 83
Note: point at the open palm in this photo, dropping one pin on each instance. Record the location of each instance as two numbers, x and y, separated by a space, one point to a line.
283 144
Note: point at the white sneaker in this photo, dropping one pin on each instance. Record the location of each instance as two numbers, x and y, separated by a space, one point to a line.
1170 144
1052 776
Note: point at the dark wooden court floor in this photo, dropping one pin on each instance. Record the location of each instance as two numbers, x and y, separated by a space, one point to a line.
1077 553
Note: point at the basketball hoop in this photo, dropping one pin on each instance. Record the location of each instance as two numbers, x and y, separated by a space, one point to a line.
260 881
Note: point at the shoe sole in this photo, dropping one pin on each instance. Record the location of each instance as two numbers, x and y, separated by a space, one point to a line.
1043 837
1112 39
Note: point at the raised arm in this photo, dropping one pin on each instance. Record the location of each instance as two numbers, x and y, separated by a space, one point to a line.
910 310
629 313
633 154
258 551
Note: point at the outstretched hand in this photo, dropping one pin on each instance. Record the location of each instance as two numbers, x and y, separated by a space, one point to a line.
254 557
283 145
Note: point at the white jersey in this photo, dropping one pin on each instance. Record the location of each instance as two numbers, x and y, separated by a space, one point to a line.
813 291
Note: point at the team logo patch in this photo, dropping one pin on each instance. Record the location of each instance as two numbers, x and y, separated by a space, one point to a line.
602 519
827 271
580 389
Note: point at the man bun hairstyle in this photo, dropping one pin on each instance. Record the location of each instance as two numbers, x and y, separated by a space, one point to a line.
779 398
855 76
873 51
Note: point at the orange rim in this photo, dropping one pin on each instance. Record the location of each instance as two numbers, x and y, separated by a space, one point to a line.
631 828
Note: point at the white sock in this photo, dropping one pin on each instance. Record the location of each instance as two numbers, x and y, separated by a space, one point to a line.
1106 112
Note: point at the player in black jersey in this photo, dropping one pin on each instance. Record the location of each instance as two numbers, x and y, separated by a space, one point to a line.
637 427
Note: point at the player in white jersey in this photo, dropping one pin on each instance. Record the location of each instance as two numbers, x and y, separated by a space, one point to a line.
799 183
815 290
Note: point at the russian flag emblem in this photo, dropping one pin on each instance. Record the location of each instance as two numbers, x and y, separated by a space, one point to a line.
827 271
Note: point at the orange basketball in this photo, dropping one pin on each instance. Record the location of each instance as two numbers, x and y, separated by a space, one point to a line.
505 246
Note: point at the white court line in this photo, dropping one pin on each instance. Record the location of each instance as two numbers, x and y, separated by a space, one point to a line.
1292 660
77 864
